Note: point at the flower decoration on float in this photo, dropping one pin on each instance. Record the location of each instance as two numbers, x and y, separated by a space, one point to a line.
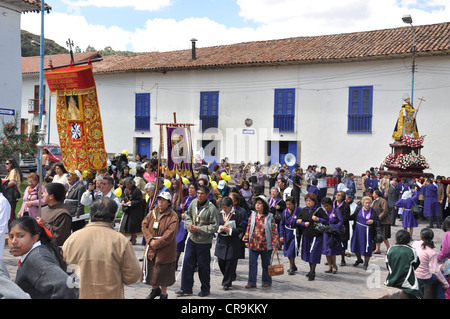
404 161
412 142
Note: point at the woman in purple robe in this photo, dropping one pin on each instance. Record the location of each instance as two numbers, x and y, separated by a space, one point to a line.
182 232
276 206
312 238
289 236
332 244
405 203
431 203
366 220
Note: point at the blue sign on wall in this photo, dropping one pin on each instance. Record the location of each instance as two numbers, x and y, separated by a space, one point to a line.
7 112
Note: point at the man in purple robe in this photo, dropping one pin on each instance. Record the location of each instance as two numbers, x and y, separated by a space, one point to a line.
431 204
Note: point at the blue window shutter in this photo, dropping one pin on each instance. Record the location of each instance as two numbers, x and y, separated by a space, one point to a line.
209 110
360 109
284 110
142 112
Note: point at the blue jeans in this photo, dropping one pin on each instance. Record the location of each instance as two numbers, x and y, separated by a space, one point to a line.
433 280
253 266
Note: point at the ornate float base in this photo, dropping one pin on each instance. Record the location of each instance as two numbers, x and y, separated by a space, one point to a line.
406 161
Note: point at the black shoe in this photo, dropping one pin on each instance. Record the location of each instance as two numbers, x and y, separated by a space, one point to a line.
183 292
308 274
203 294
335 271
357 262
291 272
312 276
366 265
226 288
343 263
155 293
166 296
329 271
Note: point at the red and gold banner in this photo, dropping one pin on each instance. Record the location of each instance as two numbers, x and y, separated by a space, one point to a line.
78 118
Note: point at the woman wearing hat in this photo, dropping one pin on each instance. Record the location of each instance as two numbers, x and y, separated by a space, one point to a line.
160 229
261 237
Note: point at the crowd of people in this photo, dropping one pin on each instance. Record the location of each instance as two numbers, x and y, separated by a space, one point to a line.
80 227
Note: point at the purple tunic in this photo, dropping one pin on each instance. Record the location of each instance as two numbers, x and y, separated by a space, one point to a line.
408 219
335 218
288 231
362 242
430 203
182 232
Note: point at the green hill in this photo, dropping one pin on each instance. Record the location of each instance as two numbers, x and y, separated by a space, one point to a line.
29 50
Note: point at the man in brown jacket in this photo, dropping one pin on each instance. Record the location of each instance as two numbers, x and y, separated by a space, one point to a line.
380 205
103 259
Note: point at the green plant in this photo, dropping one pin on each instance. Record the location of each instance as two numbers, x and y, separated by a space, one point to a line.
12 143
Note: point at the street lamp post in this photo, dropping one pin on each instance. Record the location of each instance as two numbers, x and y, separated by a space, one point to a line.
41 85
407 19
40 145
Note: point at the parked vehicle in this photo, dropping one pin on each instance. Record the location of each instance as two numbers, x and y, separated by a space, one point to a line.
54 153
30 163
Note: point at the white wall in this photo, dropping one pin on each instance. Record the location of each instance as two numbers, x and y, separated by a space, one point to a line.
322 95
10 59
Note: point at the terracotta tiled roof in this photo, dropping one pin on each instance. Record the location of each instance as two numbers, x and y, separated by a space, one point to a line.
388 43
30 5
32 64
358 46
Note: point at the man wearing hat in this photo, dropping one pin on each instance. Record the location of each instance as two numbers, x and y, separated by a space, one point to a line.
351 184
223 188
202 222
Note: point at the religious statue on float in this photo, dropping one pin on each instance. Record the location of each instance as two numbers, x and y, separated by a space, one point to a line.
406 123
405 157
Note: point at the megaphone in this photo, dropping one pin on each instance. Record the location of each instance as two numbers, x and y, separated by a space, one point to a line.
290 159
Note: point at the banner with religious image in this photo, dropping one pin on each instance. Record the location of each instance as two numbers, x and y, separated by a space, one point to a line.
78 118
179 151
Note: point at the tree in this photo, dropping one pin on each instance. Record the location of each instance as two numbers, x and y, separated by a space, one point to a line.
90 49
13 144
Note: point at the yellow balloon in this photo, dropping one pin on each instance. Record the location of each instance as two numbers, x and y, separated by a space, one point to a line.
84 174
118 192
167 183
214 184
185 180
223 175
125 152
228 178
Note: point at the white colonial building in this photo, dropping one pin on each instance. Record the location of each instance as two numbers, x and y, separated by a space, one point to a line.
329 100
10 55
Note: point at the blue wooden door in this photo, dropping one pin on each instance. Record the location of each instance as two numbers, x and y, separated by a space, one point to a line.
143 146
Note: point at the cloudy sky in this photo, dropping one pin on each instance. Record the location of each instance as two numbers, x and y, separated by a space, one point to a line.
166 25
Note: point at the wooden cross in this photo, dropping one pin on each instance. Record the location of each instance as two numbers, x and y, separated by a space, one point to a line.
69 43
421 100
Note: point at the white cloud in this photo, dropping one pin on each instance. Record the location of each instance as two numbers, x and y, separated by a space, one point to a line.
275 20
144 5
168 34
60 26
